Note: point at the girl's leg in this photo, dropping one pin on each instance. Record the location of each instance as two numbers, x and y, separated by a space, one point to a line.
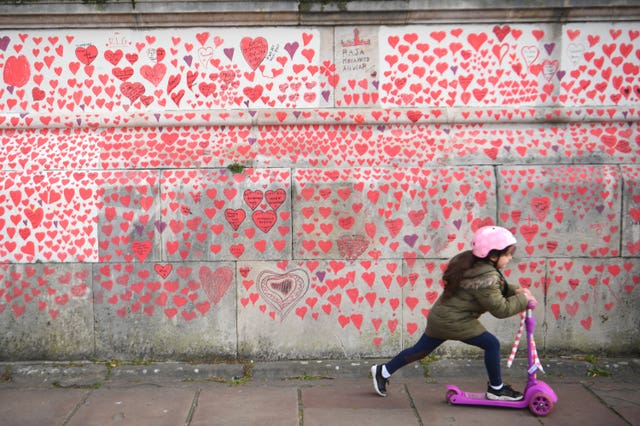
424 347
491 346
381 373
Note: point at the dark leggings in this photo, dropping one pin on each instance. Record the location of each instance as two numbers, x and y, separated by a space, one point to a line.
426 345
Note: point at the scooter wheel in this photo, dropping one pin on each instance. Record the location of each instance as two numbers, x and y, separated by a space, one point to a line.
540 404
449 395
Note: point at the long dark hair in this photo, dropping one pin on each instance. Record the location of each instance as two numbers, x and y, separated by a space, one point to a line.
460 264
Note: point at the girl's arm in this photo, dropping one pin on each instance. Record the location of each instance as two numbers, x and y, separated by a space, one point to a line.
493 301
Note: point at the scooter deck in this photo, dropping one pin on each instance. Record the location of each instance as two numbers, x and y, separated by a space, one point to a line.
459 397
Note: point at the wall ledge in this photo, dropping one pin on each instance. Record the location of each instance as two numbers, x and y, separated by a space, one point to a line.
25 14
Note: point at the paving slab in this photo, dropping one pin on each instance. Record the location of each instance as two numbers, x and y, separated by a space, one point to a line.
38 407
135 405
352 402
623 398
251 404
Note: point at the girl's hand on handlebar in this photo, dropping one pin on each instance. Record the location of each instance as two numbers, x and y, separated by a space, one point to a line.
527 294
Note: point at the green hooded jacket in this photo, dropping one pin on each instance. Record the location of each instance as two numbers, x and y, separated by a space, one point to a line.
482 289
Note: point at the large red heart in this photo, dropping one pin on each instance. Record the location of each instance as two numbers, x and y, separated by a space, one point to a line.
216 283
254 50
16 71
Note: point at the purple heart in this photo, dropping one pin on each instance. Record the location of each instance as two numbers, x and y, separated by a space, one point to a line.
325 95
560 74
4 42
549 47
296 114
320 275
229 52
410 239
188 59
160 226
457 223
291 48
454 69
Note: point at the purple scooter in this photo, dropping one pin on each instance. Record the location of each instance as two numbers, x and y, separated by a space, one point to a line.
538 395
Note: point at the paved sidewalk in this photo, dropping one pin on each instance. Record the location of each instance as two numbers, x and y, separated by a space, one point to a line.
302 393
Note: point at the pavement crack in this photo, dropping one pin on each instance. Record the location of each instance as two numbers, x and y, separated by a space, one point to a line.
605 403
80 403
192 409
413 406
300 408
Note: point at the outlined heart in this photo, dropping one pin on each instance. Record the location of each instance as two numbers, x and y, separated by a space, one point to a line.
283 291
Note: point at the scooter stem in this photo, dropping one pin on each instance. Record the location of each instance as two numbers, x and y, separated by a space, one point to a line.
530 324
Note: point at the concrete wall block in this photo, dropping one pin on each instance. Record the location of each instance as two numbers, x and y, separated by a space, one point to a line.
320 309
46 311
631 211
453 65
601 143
598 143
538 203
129 220
375 213
339 146
164 310
215 214
592 305
49 215
54 149
357 64
588 82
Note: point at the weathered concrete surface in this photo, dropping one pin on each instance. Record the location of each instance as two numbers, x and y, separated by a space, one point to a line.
156 312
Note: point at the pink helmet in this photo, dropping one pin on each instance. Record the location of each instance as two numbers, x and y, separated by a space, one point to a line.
489 238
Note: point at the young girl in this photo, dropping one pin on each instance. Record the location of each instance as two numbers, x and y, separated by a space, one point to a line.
473 285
